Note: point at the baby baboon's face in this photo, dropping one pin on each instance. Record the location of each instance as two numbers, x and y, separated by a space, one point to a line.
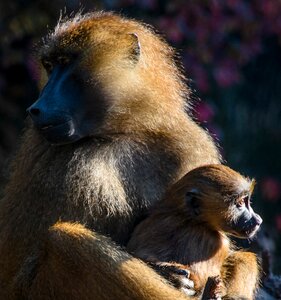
240 220
219 196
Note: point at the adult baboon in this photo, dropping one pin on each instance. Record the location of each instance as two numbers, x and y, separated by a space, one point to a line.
107 136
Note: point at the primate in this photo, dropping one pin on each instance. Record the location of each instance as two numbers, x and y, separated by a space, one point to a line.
190 227
106 138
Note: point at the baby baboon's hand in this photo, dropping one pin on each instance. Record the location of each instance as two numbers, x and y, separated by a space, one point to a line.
178 275
214 289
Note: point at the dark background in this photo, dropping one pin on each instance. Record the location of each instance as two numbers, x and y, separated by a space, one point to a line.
231 53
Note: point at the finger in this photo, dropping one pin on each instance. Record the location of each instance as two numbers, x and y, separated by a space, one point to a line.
188 292
187 283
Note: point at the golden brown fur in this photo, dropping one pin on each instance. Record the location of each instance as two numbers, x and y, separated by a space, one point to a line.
78 264
105 183
191 232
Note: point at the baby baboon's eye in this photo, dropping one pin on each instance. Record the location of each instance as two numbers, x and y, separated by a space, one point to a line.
241 201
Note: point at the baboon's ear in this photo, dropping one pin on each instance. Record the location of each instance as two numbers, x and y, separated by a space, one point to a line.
135 47
192 201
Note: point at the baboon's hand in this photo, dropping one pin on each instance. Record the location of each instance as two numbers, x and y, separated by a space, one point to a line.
214 289
178 275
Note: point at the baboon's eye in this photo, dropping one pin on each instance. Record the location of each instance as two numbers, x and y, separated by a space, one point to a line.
63 60
48 66
242 200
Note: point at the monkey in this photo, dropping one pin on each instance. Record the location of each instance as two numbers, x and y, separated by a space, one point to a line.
190 227
109 133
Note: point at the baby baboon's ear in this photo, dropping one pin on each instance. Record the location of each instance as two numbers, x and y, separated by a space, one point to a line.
192 201
135 47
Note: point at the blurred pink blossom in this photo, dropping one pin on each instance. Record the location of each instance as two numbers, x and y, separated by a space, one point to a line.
171 28
226 73
200 77
204 112
270 8
271 189
232 3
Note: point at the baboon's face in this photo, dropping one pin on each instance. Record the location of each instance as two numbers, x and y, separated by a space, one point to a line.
66 111
81 65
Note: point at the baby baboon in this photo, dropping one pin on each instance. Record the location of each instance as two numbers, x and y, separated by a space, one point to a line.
188 231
